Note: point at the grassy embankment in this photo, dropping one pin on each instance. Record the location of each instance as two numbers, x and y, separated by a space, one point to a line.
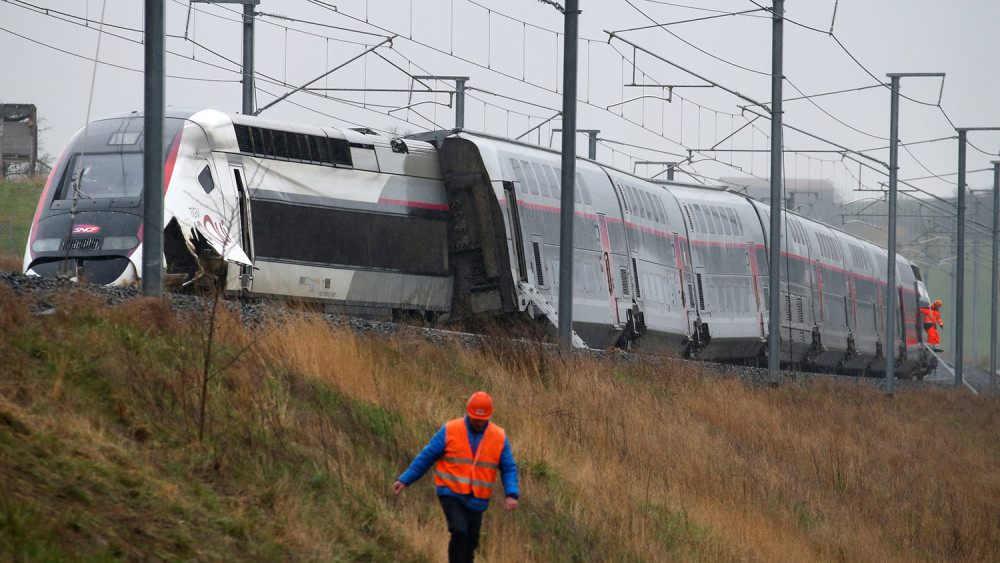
18 201
306 427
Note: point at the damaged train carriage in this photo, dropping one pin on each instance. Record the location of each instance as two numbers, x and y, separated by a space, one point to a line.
348 219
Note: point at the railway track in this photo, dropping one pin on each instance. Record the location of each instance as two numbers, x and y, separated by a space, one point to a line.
45 292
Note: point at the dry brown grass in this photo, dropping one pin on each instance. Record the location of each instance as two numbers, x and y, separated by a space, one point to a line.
650 459
644 460
11 262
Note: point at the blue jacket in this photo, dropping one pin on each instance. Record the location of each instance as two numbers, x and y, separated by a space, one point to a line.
435 449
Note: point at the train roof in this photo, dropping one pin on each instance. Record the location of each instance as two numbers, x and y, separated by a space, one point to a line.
437 137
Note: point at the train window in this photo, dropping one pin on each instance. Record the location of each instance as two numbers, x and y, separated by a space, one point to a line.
515 166
720 215
824 247
124 138
102 175
793 232
647 213
529 174
838 253
654 200
705 217
724 226
557 187
704 222
555 181
640 203
653 210
714 213
637 205
646 204
797 272
660 208
205 179
584 188
285 145
543 181
734 220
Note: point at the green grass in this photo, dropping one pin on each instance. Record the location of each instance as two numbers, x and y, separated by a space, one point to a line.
18 201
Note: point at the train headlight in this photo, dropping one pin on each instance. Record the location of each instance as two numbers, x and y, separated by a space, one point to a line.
46 244
120 243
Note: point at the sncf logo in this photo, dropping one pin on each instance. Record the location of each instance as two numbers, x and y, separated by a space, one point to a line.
85 229
217 230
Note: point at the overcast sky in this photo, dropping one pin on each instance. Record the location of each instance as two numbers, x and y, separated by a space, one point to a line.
512 53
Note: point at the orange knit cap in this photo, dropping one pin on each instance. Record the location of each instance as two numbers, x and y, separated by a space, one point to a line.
480 406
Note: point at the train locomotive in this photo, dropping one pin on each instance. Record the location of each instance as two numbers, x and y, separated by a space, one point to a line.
301 212
463 223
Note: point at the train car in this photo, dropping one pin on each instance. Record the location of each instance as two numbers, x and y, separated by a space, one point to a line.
673 266
345 218
726 240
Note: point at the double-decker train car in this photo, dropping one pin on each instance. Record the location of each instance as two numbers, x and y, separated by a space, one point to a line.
677 266
341 217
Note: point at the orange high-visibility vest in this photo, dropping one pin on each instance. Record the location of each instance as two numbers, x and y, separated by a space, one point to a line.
928 318
460 470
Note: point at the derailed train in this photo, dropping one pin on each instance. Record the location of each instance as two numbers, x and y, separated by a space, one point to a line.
465 223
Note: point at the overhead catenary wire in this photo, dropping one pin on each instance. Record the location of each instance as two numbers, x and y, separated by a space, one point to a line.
640 120
695 47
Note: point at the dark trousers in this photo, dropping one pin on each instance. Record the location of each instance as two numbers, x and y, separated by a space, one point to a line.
463 525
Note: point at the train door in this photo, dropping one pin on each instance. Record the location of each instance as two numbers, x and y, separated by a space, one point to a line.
608 268
683 251
246 228
515 228
755 283
850 306
901 316
819 295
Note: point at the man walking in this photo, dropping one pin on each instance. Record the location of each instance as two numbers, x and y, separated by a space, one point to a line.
467 453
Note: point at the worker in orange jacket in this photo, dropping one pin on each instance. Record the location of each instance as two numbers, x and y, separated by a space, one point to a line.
466 453
933 338
927 320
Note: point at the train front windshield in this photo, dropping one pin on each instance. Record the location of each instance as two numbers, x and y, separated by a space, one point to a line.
97 176
90 216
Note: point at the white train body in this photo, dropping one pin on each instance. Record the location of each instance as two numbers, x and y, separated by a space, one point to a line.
304 212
